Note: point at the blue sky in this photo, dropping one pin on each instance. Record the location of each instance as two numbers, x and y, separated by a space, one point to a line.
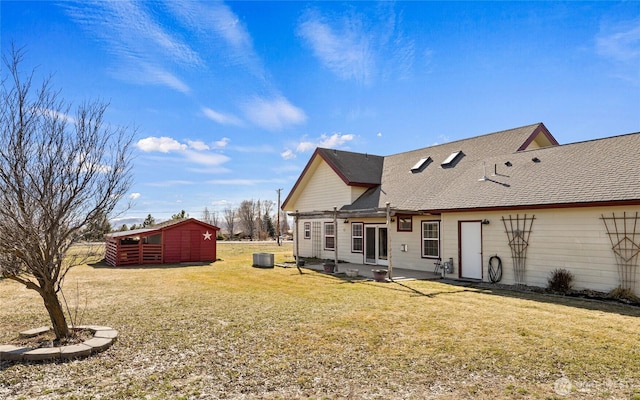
230 99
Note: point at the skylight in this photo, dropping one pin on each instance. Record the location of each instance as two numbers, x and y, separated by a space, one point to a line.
421 164
452 159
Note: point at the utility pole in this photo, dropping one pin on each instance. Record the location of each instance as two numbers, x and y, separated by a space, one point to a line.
278 227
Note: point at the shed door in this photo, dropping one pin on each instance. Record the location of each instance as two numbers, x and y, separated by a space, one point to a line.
196 244
470 250
190 244
185 246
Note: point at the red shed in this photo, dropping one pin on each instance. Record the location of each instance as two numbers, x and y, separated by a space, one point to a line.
185 240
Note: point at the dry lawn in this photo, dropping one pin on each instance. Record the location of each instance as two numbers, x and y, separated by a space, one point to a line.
230 331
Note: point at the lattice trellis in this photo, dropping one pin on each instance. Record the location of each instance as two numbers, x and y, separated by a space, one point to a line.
624 233
518 231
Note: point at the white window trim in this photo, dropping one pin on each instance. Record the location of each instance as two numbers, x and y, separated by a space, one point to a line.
361 237
422 239
307 232
326 236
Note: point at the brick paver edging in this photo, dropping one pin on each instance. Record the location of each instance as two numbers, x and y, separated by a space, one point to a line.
103 338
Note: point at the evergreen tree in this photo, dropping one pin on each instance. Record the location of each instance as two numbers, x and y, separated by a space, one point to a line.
181 215
149 221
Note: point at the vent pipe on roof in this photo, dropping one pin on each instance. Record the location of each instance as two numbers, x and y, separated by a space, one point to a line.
484 173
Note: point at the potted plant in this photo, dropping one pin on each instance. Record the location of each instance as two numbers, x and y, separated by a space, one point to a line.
329 266
380 275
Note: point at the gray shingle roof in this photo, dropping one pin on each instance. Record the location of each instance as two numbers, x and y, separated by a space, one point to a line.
356 169
603 170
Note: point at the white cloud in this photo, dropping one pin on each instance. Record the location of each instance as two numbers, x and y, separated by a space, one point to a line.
141 46
219 26
156 75
360 48
134 196
209 159
221 118
170 183
273 114
242 182
305 146
620 42
222 143
198 145
329 141
346 52
259 148
162 144
335 140
379 134
57 115
288 154
195 151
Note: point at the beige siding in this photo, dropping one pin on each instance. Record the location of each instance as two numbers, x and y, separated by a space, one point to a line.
356 192
324 190
573 239
412 258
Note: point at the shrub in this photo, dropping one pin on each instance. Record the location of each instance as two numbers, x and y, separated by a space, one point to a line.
620 293
560 280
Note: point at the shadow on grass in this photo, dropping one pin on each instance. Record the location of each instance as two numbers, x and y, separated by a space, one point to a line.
600 304
395 285
102 264
603 305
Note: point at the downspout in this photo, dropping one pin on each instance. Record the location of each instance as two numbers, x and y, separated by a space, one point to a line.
389 246
335 250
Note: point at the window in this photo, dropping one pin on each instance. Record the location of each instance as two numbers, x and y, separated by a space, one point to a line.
329 236
356 237
452 160
405 224
430 239
421 164
307 230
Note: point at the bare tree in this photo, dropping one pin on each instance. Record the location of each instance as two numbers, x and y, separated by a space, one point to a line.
215 218
210 217
58 176
248 213
229 215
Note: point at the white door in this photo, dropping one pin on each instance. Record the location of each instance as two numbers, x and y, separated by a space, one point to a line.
471 250
375 245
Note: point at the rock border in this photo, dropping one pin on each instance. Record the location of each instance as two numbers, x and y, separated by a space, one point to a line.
103 338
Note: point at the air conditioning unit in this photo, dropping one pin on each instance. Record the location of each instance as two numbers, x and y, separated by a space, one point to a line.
263 260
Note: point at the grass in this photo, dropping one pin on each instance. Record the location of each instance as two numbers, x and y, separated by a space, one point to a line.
228 330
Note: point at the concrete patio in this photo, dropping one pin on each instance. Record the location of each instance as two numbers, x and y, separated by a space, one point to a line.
364 271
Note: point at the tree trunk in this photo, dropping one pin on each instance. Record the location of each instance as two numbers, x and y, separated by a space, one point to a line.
56 314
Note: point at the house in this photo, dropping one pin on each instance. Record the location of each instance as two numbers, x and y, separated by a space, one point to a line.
515 198
175 241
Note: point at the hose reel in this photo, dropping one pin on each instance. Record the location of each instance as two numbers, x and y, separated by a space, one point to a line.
495 269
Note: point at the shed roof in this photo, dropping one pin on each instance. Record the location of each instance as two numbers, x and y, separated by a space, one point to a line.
158 228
